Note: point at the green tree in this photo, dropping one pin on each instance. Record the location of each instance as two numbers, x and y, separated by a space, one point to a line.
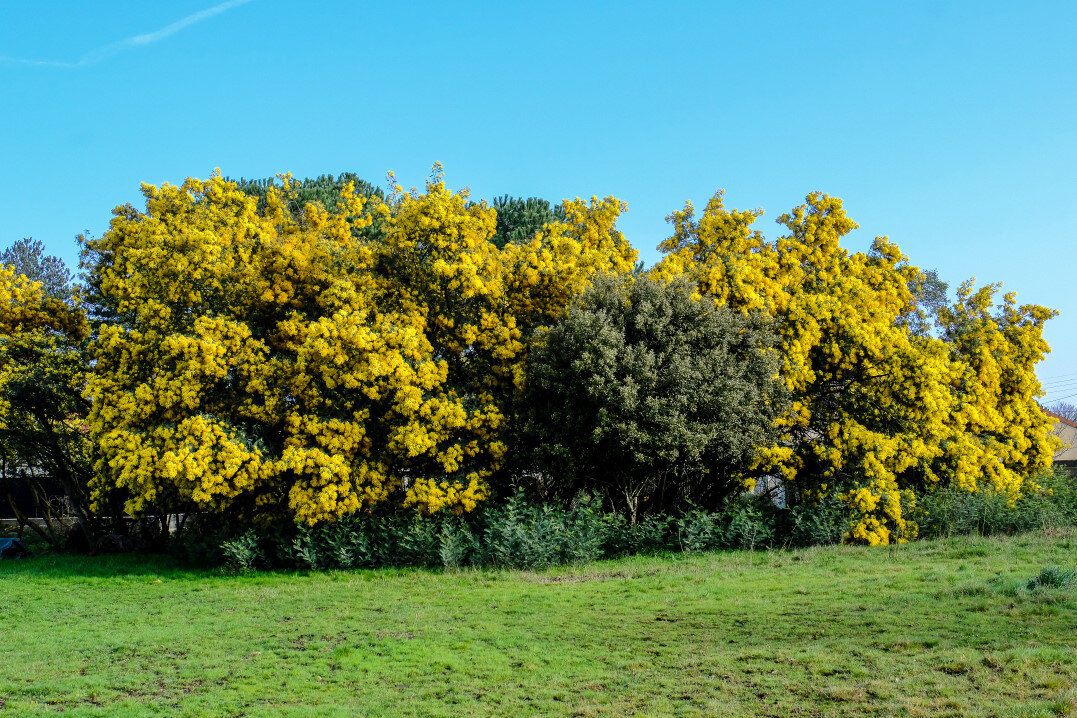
519 219
650 397
930 295
43 362
324 189
27 256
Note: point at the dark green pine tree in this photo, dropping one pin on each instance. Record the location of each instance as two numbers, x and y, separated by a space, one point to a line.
325 189
519 219
28 257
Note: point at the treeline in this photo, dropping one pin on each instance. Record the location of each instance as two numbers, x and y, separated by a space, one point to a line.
273 353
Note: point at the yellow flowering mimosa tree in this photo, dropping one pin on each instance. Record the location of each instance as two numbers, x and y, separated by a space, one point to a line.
271 363
881 411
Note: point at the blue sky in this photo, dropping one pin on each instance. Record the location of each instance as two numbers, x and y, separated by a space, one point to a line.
950 127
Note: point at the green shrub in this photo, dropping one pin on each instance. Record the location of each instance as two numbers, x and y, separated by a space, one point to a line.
457 545
1060 485
696 531
747 523
1053 577
525 536
650 398
649 535
242 553
951 511
517 533
744 523
819 523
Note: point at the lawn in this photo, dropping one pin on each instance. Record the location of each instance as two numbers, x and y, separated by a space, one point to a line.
940 628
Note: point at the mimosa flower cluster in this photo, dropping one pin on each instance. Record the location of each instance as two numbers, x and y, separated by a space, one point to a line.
262 360
266 363
883 410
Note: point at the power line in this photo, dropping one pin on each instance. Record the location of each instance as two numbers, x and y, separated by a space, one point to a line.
1058 387
1059 384
1059 381
1058 377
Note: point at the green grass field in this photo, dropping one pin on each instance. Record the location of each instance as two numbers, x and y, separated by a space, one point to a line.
942 628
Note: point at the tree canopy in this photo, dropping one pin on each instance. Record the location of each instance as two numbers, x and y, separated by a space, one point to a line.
652 397
305 350
265 363
881 409
27 257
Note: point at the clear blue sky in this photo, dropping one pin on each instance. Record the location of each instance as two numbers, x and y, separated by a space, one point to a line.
950 127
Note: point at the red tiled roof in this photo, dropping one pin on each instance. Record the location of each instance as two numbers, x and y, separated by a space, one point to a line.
1064 420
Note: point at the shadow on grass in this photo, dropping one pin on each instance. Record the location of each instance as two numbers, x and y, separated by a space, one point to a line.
49 563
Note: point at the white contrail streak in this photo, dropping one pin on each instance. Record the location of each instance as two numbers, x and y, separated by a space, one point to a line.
103 53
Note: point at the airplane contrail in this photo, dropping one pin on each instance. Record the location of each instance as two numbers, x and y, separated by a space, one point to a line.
103 53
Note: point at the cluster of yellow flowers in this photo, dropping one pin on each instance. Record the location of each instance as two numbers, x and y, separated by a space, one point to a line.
881 410
24 308
39 340
309 365
291 366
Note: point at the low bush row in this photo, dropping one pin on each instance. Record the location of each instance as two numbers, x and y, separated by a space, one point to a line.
515 534
519 533
950 512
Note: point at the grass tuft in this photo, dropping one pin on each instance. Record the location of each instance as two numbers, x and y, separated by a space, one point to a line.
1053 577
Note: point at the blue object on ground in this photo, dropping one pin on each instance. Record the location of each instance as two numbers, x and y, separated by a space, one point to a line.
13 548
